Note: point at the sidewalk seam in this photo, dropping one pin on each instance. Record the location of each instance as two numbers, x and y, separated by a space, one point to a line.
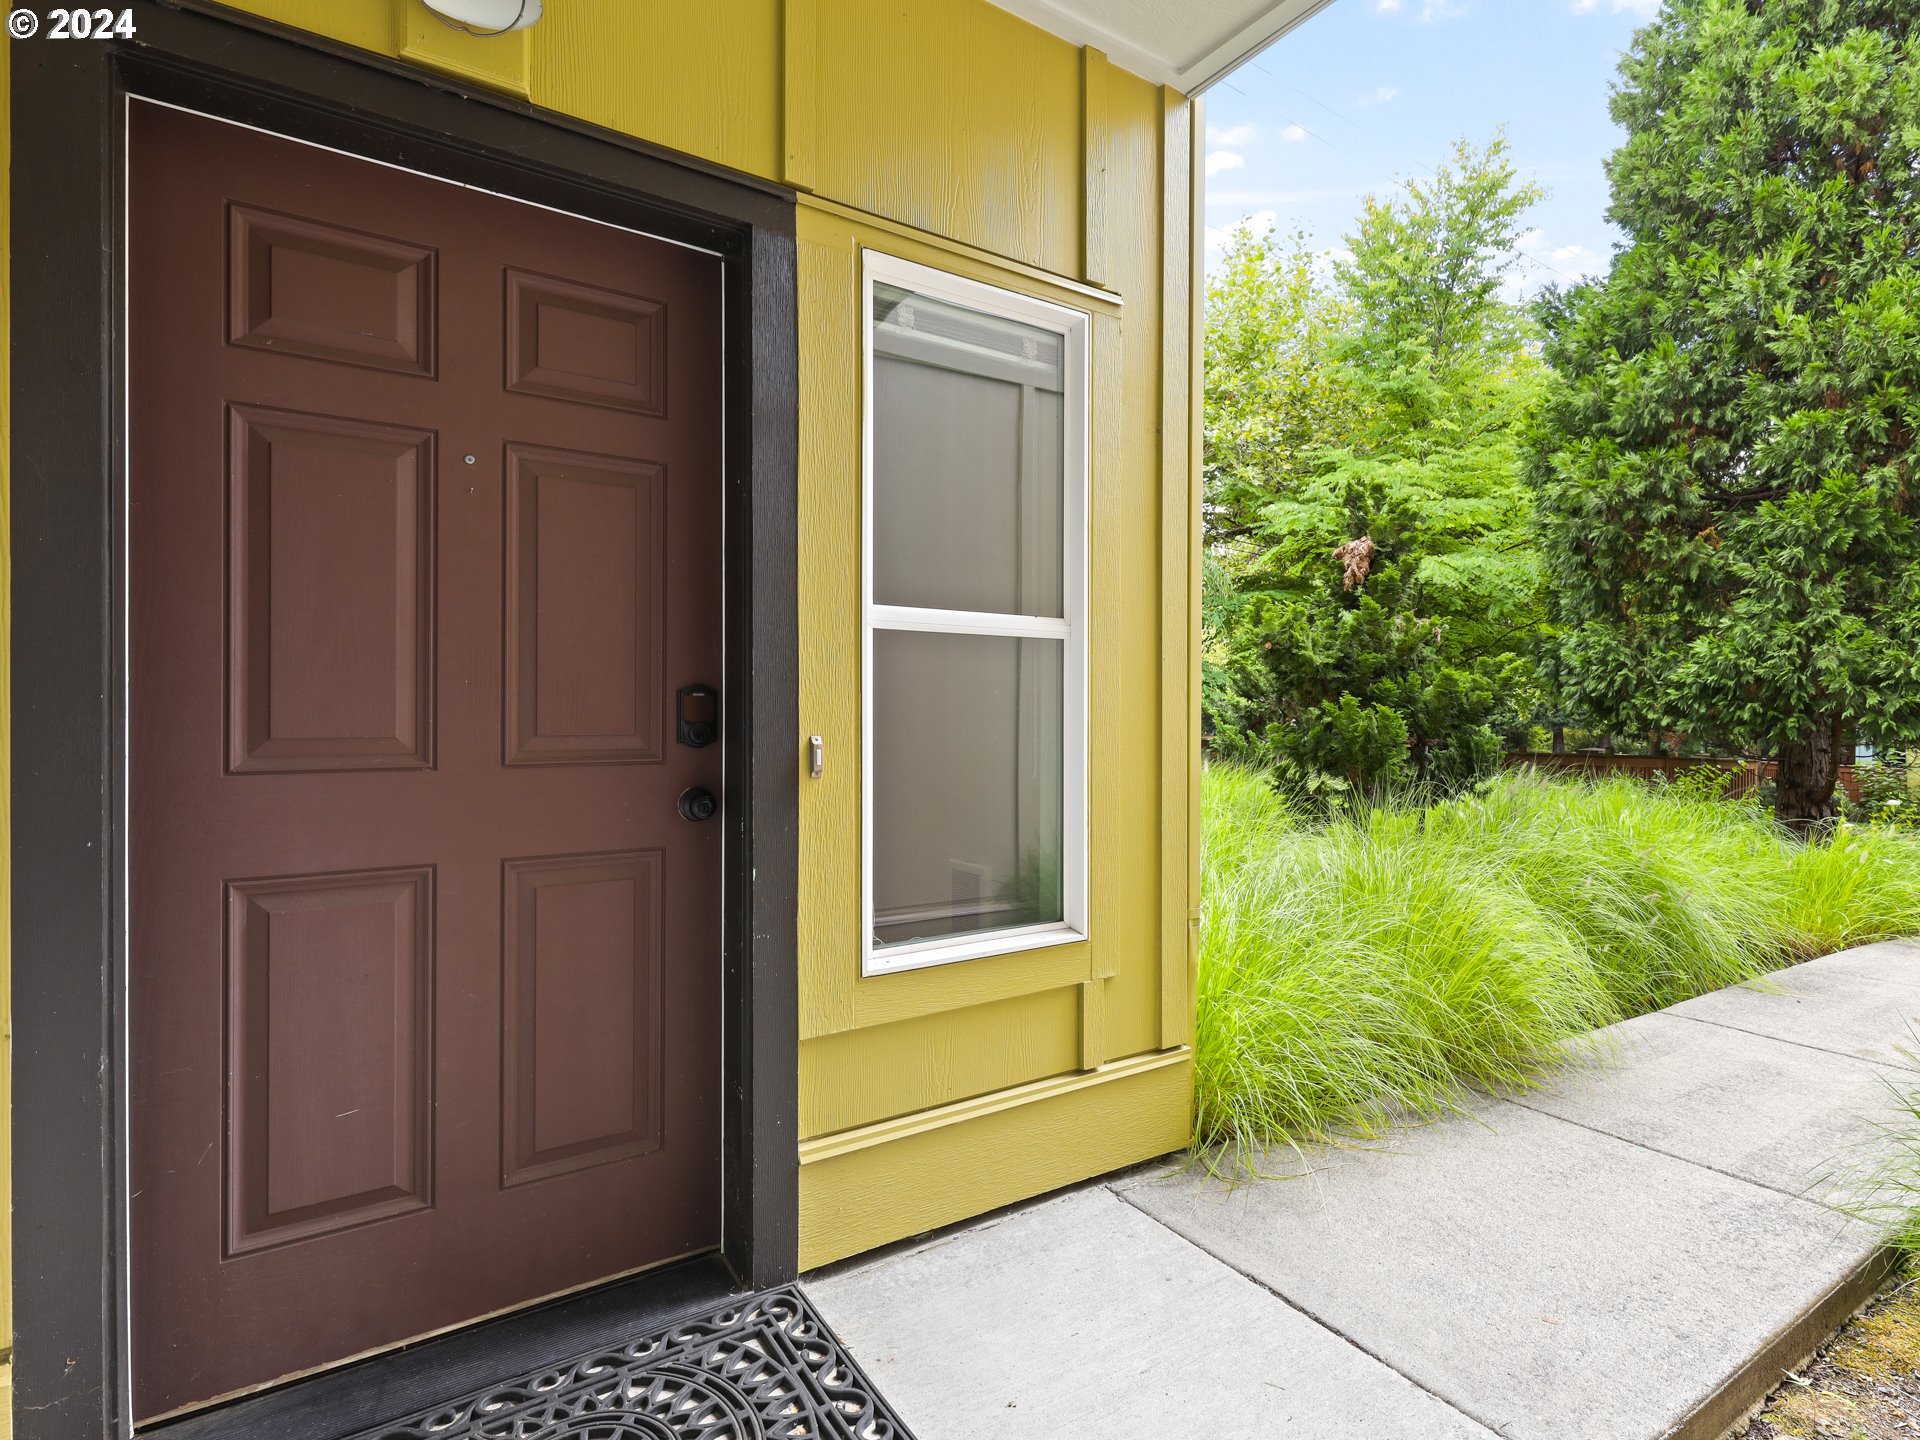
1519 1102
1334 1330
1817 1049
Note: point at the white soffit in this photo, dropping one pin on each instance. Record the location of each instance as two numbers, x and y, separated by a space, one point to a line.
1187 44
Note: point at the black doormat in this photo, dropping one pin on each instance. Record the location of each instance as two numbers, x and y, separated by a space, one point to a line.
765 1367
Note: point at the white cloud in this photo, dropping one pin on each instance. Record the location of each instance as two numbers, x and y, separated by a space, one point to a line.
1645 9
1218 160
1230 135
1294 134
1544 263
1384 95
1386 7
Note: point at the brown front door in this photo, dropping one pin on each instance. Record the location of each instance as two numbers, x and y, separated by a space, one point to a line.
424 960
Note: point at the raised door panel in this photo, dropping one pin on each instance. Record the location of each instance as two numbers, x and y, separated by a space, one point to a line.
586 609
582 1038
330 586
330 1073
304 287
594 346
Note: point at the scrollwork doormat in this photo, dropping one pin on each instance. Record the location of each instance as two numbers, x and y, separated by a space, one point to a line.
763 1368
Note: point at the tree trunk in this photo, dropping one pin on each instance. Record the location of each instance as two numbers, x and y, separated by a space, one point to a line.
1559 739
1804 782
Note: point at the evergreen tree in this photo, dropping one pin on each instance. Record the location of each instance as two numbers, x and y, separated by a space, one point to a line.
1725 464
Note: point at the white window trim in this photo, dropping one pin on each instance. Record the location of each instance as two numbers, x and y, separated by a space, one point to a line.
1074 327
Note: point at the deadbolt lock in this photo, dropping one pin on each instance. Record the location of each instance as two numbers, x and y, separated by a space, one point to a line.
697 710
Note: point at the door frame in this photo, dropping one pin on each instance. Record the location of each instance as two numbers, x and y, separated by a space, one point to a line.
69 1118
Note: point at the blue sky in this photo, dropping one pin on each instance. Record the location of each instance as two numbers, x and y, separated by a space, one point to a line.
1369 91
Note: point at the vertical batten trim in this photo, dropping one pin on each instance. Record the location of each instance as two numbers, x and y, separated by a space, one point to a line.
1107 519
1196 538
1177 724
1093 1023
1095 216
799 117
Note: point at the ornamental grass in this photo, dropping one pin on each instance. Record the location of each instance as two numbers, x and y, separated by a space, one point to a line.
1384 964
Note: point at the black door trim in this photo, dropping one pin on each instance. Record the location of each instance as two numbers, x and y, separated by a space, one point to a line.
69 962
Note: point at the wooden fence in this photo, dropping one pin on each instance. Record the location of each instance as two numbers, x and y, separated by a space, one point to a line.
1746 773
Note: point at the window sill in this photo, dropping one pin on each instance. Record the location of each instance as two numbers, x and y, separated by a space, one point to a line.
928 953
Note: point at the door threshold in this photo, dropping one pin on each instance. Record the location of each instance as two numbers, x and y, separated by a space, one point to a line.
352 1398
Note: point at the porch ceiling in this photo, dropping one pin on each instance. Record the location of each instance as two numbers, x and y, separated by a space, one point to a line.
1187 44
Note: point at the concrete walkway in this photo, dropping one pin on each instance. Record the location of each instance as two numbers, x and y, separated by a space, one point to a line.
1636 1252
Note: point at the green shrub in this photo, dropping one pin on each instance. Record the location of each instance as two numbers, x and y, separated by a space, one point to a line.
1343 749
1890 792
1704 782
1382 962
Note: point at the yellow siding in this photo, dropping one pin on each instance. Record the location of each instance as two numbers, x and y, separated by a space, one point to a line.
1072 1009
698 76
891 1181
948 132
955 118
929 1060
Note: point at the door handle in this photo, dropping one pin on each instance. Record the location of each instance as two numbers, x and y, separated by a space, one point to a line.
698 803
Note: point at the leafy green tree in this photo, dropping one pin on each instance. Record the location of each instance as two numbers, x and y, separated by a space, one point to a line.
1373 589
1725 465
1273 394
1426 273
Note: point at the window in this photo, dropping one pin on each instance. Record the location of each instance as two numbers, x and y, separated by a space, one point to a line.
975 638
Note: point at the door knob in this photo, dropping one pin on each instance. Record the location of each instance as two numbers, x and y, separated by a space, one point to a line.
698 803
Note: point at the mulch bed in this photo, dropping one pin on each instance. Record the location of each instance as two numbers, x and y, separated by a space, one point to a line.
1864 1384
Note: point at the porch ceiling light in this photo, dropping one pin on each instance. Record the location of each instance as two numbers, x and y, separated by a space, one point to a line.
486 17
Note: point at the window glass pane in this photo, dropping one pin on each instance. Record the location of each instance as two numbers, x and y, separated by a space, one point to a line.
968 458
967 804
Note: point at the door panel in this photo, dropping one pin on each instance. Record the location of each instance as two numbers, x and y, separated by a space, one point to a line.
584 1047
330 582
424 972
331 993
302 287
577 342
586 564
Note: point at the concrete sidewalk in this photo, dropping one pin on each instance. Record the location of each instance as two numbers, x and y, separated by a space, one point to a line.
1634 1253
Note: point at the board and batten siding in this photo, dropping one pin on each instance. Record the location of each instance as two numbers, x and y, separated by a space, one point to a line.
951 133
1011 157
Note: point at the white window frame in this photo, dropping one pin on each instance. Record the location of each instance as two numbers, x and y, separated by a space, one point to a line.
1073 326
